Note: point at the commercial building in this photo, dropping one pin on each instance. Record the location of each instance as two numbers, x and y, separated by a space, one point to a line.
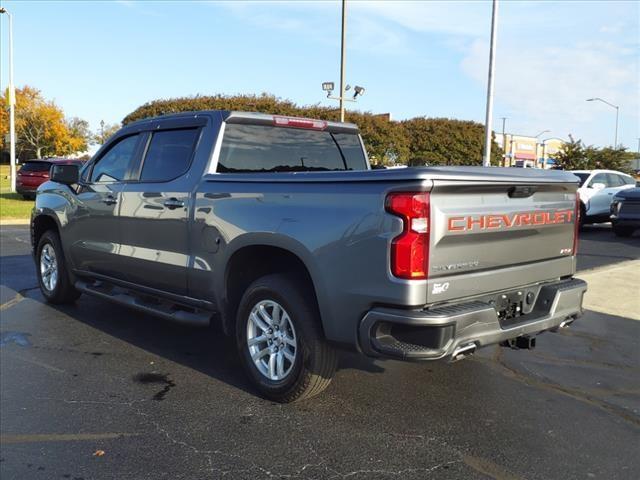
528 152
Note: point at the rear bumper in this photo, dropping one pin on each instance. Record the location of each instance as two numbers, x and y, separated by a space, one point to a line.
28 189
443 332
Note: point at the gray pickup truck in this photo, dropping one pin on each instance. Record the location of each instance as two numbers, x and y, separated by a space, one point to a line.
277 228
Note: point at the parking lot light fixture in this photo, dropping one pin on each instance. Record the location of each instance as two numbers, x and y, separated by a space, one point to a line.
598 99
544 131
328 87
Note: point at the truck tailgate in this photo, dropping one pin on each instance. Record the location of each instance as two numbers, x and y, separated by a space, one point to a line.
486 236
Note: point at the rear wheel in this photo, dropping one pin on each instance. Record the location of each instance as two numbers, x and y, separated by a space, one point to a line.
622 231
52 273
280 342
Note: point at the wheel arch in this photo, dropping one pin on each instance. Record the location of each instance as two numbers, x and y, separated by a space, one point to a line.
39 225
250 262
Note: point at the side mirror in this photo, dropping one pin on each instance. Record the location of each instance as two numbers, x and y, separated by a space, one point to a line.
65 174
598 186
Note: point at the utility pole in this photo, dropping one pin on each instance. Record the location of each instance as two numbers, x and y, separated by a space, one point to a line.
343 58
12 104
486 161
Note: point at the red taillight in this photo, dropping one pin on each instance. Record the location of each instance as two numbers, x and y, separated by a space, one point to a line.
576 226
410 249
299 123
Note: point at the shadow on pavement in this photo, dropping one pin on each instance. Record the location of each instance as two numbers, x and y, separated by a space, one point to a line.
207 350
598 246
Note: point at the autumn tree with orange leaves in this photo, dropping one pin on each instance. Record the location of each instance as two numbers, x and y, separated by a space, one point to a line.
41 127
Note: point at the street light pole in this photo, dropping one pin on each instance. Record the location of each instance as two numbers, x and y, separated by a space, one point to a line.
12 105
504 142
492 63
598 99
541 144
343 58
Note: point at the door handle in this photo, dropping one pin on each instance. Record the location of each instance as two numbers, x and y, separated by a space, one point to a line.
173 203
110 200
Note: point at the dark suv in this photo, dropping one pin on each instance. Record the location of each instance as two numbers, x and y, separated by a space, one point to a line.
625 212
34 173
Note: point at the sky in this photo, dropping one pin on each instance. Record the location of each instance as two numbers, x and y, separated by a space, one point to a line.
101 60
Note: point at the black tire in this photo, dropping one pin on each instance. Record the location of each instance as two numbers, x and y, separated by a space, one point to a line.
315 360
63 291
623 231
28 196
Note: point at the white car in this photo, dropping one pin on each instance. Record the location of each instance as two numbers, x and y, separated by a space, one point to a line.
597 188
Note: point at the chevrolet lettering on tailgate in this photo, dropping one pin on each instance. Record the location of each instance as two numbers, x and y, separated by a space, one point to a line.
501 221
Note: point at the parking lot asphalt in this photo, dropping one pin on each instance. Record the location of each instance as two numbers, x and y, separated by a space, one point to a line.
95 391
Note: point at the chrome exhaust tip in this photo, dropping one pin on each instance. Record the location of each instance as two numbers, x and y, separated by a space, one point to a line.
463 351
564 324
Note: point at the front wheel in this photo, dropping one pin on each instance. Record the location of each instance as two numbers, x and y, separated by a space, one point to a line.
53 277
280 341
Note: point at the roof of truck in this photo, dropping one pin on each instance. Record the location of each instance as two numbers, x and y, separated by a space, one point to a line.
235 116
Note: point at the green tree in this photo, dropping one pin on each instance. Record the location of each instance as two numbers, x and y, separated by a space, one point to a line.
79 130
444 141
610 158
576 156
573 156
105 132
415 142
41 128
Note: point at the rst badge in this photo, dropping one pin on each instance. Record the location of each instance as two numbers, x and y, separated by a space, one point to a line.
440 288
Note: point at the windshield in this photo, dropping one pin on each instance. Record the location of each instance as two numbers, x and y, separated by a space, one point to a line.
582 176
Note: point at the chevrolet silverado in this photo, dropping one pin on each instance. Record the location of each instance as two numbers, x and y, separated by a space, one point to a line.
277 228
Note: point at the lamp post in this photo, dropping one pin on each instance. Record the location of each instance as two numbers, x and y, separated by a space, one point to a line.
329 86
544 131
486 161
504 142
343 58
12 105
598 99
542 145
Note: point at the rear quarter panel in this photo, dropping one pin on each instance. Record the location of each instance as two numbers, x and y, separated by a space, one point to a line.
340 231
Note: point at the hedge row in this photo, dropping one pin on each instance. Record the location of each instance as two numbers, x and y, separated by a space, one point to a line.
418 141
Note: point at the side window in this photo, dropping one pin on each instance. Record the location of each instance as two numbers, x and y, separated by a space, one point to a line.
599 178
113 165
614 180
169 155
625 180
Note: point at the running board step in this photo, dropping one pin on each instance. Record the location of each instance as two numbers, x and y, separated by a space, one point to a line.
151 305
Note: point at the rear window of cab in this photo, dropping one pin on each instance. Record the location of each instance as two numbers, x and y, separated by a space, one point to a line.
263 148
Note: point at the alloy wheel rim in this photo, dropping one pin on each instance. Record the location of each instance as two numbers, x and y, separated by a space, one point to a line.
271 339
48 267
